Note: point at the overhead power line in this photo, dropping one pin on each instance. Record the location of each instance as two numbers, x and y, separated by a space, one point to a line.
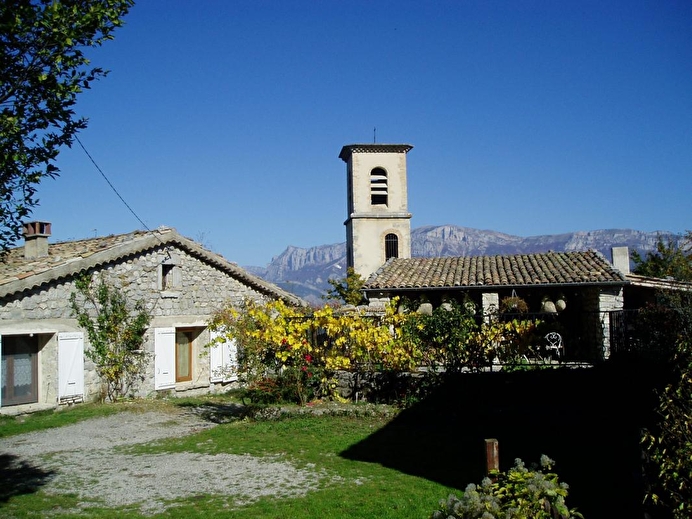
110 184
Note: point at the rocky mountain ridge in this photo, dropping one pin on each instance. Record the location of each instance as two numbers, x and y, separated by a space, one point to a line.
305 272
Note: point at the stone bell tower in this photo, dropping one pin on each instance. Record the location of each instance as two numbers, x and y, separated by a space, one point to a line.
378 226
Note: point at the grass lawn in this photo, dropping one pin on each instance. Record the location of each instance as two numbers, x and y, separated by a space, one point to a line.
588 421
351 488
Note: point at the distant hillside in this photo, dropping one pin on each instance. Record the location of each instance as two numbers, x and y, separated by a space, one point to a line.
305 272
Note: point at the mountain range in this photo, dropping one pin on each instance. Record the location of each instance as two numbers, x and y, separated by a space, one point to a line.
305 272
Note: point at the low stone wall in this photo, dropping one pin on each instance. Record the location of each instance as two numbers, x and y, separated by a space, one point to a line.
371 387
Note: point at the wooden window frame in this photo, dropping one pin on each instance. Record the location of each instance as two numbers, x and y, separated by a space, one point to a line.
32 397
170 275
190 333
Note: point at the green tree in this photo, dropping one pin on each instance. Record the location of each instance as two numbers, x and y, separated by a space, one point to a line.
42 70
671 259
116 333
669 443
443 336
348 290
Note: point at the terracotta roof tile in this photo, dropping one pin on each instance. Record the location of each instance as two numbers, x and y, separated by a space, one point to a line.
18 273
550 268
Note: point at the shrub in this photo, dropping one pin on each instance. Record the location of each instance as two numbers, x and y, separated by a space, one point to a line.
115 329
305 350
520 493
262 391
442 337
669 443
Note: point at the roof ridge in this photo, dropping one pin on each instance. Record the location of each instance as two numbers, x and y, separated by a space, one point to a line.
66 263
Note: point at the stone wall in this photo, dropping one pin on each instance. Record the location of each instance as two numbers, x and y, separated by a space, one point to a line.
201 290
598 303
609 300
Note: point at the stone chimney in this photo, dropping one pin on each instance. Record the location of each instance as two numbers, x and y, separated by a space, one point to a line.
621 259
36 239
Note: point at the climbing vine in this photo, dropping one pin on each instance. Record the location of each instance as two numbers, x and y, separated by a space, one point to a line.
115 329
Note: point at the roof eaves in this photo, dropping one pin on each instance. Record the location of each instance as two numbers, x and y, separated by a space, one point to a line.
349 149
659 283
493 287
77 265
138 245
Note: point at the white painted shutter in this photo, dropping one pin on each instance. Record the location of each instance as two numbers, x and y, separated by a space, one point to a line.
215 359
164 358
223 357
70 365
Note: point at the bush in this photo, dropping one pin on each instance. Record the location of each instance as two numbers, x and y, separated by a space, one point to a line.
115 329
262 391
304 350
520 493
669 442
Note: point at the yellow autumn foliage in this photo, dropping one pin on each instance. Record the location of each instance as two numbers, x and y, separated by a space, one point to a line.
275 336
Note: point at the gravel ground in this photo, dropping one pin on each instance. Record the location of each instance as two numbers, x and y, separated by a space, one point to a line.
87 458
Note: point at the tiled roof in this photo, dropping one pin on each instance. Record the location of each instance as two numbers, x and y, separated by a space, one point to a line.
551 268
65 259
659 283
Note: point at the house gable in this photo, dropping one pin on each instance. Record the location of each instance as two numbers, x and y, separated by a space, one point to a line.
180 283
67 259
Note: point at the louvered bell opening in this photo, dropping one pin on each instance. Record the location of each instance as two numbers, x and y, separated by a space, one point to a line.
378 187
378 194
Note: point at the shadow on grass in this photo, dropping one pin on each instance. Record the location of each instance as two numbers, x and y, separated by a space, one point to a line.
19 477
588 420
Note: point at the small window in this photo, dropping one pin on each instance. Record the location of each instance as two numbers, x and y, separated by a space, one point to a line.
378 187
168 277
19 369
391 246
171 274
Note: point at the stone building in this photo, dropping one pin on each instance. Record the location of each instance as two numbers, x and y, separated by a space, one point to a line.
378 226
577 290
180 283
574 292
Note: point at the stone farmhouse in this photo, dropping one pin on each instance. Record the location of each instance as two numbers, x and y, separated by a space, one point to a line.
577 292
581 293
181 284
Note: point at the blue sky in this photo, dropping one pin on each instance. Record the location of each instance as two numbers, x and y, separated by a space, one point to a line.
224 119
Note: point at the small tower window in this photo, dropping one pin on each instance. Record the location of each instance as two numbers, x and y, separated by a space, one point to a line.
170 277
378 187
170 274
391 246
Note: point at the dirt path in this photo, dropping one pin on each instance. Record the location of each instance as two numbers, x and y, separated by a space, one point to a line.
87 458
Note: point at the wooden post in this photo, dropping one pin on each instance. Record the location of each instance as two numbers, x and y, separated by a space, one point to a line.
492 455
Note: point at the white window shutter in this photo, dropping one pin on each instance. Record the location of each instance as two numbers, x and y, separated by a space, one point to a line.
231 360
223 357
215 358
70 365
176 277
164 358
